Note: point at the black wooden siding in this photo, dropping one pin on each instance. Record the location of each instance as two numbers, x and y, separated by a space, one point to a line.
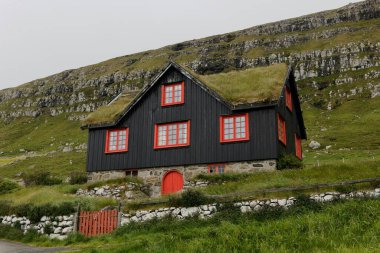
203 111
291 121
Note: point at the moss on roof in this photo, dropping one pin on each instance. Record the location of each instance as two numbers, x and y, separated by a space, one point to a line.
261 84
107 114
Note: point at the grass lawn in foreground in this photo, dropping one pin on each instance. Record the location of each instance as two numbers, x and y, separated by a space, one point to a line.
344 226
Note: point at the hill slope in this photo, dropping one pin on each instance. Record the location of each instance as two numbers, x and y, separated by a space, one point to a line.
335 55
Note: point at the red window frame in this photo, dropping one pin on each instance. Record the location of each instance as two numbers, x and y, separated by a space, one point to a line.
288 99
281 129
156 126
217 168
234 139
298 146
117 150
163 93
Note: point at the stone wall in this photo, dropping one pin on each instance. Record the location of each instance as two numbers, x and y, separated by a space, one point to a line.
60 226
63 225
206 211
153 176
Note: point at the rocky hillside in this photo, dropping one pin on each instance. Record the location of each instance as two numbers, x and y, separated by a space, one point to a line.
335 55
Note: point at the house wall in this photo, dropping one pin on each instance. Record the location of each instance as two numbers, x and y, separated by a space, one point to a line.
291 120
203 111
153 176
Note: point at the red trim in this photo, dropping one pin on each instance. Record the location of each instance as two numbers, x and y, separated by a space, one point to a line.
281 129
234 139
298 145
156 146
107 151
163 93
288 99
217 166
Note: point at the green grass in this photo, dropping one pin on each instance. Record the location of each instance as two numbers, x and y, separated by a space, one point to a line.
238 87
349 226
39 195
111 112
59 164
39 134
289 178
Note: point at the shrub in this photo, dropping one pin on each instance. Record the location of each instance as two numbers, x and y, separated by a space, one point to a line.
40 178
189 198
35 212
5 207
78 178
7 186
10 233
287 161
48 229
304 204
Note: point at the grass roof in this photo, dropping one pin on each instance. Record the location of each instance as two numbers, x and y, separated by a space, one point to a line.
261 84
107 114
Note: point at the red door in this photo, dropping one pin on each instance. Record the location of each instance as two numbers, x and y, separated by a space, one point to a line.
172 182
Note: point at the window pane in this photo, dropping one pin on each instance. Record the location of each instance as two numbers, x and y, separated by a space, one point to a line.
182 134
162 135
172 135
168 94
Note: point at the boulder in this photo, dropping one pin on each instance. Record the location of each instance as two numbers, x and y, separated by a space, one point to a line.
57 230
314 145
245 209
189 212
67 230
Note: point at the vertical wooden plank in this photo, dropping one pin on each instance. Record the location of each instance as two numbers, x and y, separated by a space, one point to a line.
101 223
87 224
84 224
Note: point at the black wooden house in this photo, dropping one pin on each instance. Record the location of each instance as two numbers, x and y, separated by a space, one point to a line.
183 124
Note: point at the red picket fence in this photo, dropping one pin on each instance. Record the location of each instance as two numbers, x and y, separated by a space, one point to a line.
97 222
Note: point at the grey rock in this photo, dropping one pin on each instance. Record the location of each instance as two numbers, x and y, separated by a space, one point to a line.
245 209
314 145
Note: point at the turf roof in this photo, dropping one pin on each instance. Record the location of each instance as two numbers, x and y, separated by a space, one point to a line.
255 85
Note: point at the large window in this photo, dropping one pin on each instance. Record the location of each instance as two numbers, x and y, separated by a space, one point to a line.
172 135
298 144
281 129
288 99
117 140
173 94
234 128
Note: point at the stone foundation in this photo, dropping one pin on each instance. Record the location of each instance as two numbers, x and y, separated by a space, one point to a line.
153 176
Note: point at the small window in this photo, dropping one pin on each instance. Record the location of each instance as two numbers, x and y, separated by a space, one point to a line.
234 128
117 140
172 135
298 145
131 173
288 99
173 94
216 168
281 129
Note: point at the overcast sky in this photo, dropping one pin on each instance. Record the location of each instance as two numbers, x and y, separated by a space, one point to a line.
42 37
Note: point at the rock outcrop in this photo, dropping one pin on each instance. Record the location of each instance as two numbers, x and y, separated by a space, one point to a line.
317 45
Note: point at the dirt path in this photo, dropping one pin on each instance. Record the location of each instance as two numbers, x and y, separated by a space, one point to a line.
14 247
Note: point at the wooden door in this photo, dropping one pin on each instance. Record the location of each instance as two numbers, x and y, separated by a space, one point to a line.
172 182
